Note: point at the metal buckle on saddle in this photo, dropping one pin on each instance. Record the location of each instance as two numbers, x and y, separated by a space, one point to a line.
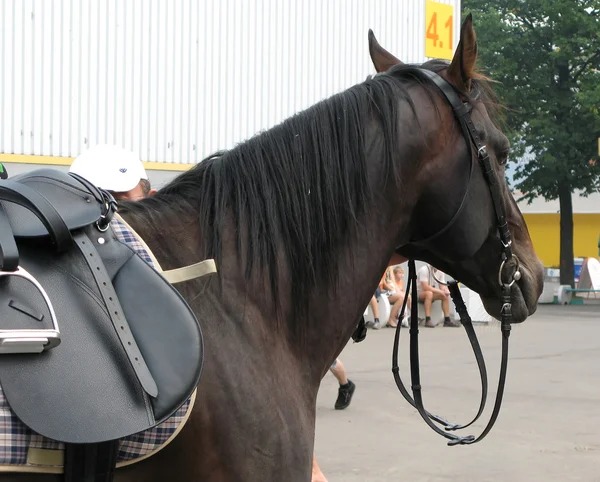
109 208
30 341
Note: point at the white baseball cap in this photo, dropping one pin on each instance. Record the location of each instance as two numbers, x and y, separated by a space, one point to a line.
110 167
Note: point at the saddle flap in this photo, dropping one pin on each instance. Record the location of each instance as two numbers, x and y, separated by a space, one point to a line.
85 389
77 205
167 334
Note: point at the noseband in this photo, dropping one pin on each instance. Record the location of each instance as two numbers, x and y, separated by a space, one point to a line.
462 112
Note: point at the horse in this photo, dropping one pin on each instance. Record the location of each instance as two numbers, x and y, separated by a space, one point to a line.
302 220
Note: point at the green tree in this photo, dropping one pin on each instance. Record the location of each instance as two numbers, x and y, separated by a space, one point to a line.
545 54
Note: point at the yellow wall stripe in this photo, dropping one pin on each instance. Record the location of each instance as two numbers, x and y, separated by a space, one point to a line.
66 161
545 234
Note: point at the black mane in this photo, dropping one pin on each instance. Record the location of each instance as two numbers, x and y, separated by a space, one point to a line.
296 191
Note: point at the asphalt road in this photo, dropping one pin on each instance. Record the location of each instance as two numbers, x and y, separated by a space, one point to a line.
549 425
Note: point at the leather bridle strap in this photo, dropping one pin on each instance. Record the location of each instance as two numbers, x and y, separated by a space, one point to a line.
462 113
417 402
468 325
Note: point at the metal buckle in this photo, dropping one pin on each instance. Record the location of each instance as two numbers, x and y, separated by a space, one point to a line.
102 227
104 221
482 152
442 283
516 275
469 439
30 341
109 208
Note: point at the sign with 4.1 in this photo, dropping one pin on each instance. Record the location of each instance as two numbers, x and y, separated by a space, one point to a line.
439 30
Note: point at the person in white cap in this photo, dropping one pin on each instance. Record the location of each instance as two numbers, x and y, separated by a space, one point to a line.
115 169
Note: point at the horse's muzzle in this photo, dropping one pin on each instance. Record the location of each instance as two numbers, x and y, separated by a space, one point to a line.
524 295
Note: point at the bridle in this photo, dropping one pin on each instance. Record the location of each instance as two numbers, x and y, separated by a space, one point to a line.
462 112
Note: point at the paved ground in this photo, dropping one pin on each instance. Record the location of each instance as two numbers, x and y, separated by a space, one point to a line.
548 429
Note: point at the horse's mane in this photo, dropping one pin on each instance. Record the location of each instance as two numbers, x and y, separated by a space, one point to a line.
294 192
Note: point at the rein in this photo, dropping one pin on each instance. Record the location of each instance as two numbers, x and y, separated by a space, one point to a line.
462 111
467 323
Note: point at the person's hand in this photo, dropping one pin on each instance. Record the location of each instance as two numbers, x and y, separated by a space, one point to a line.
444 292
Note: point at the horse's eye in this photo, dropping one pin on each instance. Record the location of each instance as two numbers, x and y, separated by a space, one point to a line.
503 157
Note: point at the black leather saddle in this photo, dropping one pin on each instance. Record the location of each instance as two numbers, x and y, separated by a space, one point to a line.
95 345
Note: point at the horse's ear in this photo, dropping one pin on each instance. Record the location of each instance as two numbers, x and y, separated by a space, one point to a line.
462 67
382 59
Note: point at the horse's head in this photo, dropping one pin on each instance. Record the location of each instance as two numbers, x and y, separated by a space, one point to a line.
458 208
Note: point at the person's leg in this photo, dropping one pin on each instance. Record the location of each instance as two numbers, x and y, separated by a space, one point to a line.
395 310
446 306
375 309
393 298
427 298
347 387
339 371
446 309
317 475
427 302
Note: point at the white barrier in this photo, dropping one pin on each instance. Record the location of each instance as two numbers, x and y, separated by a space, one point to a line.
564 294
550 290
384 311
474 306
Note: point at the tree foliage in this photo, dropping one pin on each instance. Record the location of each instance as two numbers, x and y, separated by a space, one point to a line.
545 54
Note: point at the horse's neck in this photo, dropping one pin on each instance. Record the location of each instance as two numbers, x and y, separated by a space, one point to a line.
369 251
334 310
165 236
364 261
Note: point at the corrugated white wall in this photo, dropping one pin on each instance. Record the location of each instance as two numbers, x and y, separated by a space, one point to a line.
178 79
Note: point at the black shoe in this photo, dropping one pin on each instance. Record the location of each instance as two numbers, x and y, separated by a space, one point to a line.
344 396
452 323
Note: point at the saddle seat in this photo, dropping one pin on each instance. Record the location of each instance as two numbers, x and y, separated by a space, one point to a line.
120 349
77 203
